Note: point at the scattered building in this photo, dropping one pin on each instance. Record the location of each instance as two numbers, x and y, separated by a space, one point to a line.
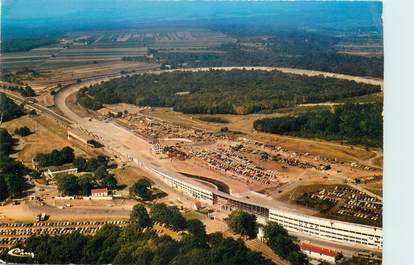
319 253
99 192
54 171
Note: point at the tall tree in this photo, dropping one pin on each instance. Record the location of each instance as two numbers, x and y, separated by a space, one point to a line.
243 223
80 163
196 228
103 247
3 188
109 181
168 215
14 183
140 216
282 244
142 189
68 185
9 109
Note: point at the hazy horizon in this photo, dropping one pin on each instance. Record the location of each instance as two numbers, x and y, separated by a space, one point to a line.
51 15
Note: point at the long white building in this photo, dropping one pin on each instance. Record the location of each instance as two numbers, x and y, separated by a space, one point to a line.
322 228
189 189
351 233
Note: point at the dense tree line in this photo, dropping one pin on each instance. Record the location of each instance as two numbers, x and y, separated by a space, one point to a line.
143 59
91 164
213 119
26 44
168 215
291 48
282 244
6 141
26 91
9 109
56 157
12 182
141 189
11 78
140 216
136 244
275 236
243 223
356 123
216 91
87 101
235 55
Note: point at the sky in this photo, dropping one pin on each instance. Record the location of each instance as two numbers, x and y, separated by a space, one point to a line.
26 9
76 14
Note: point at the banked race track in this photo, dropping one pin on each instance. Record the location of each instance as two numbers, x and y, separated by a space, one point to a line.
129 146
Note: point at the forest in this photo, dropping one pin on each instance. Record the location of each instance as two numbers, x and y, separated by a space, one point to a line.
12 172
355 123
22 44
26 91
87 101
55 158
291 48
221 92
8 109
12 181
235 55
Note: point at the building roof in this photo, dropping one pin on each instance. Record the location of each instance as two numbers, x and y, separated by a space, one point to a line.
80 134
60 168
317 249
99 190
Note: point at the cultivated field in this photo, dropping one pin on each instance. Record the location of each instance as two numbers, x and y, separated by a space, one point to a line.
88 49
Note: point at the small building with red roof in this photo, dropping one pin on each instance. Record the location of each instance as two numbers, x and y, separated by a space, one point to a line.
99 192
319 253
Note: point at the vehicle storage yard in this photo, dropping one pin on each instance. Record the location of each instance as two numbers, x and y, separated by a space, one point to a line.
17 233
236 156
